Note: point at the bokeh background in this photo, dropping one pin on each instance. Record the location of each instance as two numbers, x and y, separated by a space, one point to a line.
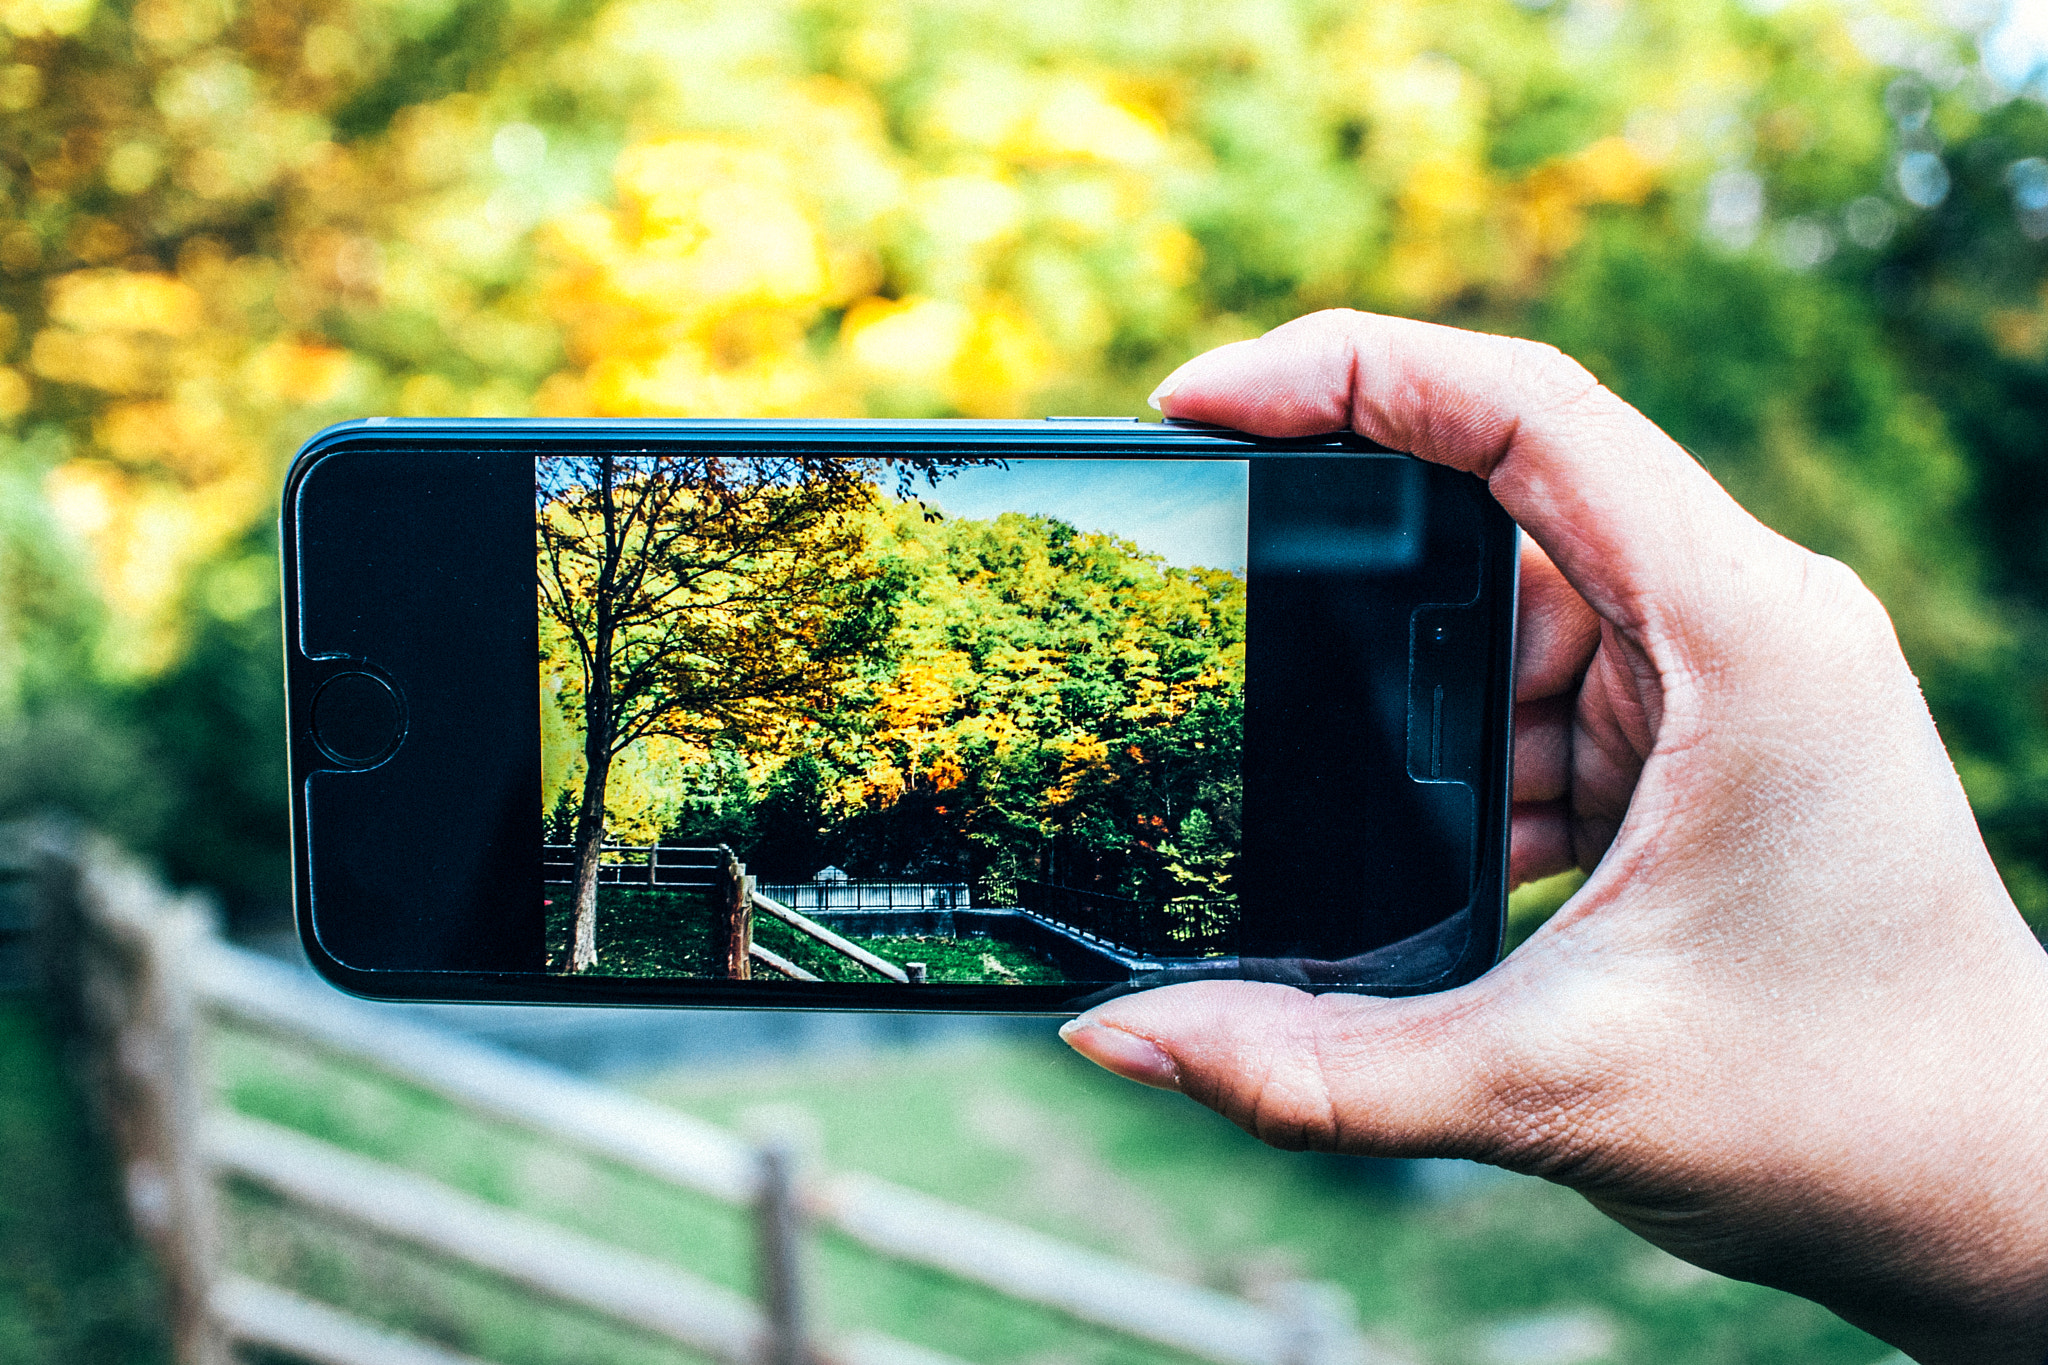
1809 238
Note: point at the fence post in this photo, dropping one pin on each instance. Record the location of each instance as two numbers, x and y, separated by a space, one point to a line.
739 928
778 1223
120 953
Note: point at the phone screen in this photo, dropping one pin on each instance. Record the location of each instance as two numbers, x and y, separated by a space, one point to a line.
972 721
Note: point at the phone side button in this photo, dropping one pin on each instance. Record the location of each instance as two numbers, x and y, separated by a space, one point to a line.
357 719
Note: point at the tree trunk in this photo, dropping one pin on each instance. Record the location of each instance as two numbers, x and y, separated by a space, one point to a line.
589 854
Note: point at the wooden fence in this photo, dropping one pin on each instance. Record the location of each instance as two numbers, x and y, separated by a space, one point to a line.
138 976
680 866
723 879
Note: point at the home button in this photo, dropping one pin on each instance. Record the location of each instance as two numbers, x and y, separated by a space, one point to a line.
357 719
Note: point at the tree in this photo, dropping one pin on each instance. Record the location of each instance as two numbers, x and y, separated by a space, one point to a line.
1812 241
702 596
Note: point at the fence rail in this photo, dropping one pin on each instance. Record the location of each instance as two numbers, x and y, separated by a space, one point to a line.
669 865
143 976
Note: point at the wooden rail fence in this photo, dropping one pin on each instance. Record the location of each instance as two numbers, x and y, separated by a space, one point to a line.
722 877
138 976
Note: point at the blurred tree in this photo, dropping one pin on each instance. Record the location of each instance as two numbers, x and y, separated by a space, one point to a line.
1811 238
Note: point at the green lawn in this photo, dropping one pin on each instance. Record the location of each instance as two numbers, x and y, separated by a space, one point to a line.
644 931
1032 1133
641 931
74 1287
1029 1132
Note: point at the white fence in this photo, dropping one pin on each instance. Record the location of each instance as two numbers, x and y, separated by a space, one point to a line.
839 898
143 977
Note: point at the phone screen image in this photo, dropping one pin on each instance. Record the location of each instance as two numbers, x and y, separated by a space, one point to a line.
958 721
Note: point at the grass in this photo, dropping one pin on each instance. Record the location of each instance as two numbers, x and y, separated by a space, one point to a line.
74 1287
978 961
641 931
1036 1135
1033 1134
648 931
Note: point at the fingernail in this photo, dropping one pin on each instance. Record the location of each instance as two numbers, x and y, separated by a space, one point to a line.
1126 1054
1164 391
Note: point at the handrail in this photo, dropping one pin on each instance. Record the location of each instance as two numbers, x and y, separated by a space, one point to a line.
672 1147
806 925
260 1314
769 958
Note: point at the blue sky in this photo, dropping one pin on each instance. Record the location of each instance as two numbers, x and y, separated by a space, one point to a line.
1190 511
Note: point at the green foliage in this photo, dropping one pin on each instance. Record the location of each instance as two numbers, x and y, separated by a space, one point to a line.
1049 705
225 225
74 1287
1795 390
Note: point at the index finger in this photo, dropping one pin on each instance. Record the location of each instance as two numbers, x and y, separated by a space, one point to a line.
1628 516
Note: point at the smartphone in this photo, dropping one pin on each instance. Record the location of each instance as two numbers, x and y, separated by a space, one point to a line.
1000 716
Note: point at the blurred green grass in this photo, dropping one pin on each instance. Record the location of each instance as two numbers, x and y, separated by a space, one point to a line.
74 1287
1025 1131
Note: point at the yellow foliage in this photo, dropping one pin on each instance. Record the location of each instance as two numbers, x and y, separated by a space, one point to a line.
300 373
145 535
1076 121
190 437
36 18
905 341
226 265
113 362
2020 333
1083 758
691 296
1003 359
14 394
1554 197
1172 253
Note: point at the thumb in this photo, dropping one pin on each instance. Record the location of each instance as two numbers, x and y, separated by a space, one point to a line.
1338 1073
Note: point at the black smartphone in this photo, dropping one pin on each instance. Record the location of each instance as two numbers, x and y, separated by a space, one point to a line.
895 715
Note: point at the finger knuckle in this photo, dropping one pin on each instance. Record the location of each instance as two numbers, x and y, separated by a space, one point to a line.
1285 1106
1550 378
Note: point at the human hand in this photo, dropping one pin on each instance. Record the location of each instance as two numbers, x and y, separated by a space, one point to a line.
1792 1028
